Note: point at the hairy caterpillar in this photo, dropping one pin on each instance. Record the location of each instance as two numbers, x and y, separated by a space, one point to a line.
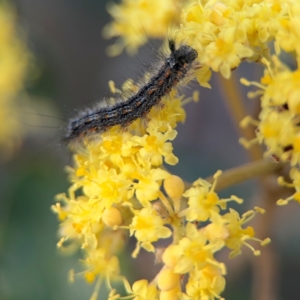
123 112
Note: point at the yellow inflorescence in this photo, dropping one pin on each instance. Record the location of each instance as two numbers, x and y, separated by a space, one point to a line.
119 187
279 91
137 20
121 178
228 32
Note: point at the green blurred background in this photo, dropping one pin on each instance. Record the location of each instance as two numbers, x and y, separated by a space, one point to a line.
65 37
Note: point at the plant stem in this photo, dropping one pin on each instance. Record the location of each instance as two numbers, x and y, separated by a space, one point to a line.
245 172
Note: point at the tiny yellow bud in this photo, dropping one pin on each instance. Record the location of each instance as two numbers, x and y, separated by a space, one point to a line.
217 14
170 294
112 217
171 255
174 186
167 279
256 253
138 285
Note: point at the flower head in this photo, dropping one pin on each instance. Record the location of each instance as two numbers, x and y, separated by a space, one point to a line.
136 21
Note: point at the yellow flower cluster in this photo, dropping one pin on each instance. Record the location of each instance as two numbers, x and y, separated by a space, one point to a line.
137 20
14 60
227 32
224 33
118 180
121 179
279 91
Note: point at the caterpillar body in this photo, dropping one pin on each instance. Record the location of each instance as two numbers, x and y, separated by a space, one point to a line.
124 112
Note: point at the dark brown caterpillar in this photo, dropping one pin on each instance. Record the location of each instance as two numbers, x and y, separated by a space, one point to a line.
122 113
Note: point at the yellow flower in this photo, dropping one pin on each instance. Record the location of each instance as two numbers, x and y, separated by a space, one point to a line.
137 20
148 185
81 222
101 265
287 36
99 262
224 34
239 236
148 227
281 86
216 231
277 131
295 176
225 53
207 283
192 251
278 121
155 147
142 290
203 202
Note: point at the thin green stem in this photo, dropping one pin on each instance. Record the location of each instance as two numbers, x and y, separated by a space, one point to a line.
245 172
